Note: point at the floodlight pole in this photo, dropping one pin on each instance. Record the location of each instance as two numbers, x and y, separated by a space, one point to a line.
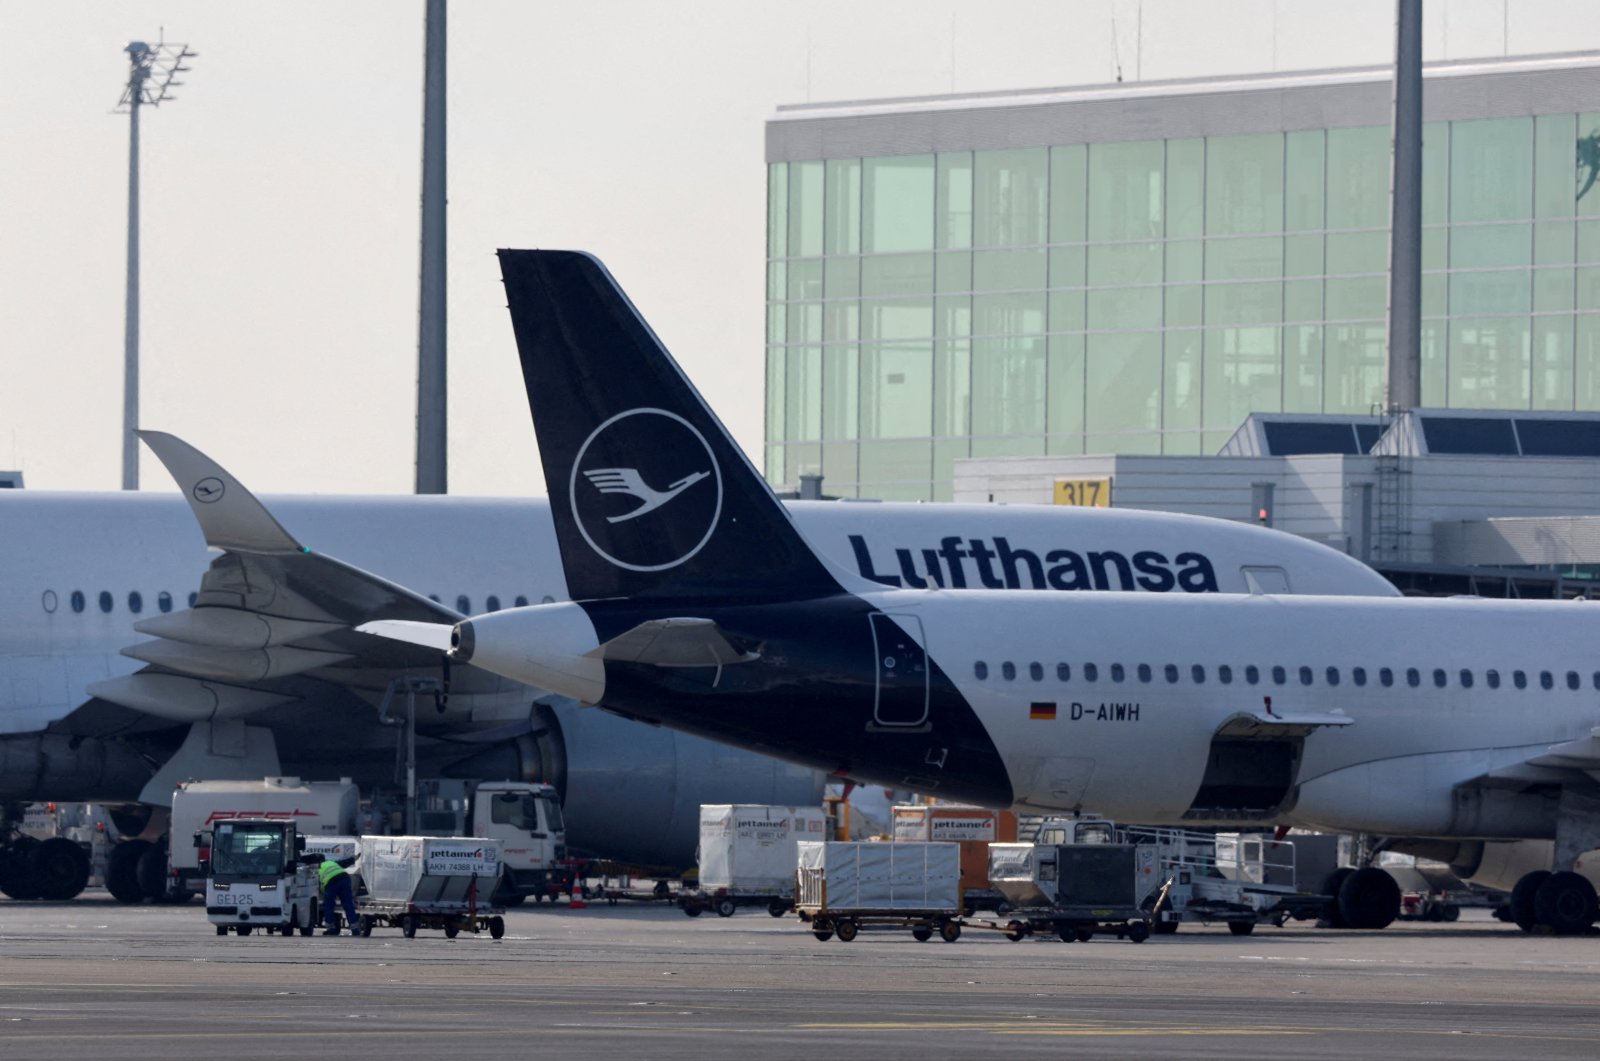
1405 217
432 375
152 74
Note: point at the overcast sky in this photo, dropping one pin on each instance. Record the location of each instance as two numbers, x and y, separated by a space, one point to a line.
281 193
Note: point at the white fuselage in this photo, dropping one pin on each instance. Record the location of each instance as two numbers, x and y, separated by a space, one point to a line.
128 556
1131 743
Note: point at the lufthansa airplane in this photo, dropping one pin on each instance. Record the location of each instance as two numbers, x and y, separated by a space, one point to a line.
126 664
1467 725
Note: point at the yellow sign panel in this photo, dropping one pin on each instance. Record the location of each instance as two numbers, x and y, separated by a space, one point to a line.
1088 493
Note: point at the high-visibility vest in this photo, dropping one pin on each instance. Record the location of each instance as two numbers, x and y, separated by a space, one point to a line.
328 870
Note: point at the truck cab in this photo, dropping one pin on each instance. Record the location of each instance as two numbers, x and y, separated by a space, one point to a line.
256 879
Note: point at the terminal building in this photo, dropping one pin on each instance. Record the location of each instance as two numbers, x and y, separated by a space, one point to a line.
1125 272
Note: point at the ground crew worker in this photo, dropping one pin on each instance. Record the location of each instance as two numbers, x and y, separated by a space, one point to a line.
336 889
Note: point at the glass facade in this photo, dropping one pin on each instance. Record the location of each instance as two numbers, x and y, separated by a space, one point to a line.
1145 296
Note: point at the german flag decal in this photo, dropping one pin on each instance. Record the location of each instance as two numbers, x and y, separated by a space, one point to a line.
1047 712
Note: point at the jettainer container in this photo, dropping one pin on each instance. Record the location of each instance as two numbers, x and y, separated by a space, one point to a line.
845 886
430 882
974 828
747 856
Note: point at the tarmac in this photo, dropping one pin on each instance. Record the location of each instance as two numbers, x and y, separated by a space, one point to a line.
97 981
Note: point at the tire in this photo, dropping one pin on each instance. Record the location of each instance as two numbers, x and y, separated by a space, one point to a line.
497 927
122 871
1369 899
1450 912
244 930
1137 932
922 933
1330 888
726 907
16 869
506 893
452 930
1241 928
1164 928
950 931
661 890
847 930
777 908
1566 902
1068 933
1016 931
1522 898
151 872
60 869
823 935
691 909
222 930
408 925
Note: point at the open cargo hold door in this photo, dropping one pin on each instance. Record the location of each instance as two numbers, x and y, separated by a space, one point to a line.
1253 763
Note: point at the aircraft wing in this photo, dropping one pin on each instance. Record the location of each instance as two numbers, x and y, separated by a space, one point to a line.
268 610
1573 760
674 643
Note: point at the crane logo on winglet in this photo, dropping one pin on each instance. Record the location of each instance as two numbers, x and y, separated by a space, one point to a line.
623 517
629 481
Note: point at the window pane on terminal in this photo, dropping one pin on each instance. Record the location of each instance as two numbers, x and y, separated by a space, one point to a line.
1559 438
1287 439
1469 434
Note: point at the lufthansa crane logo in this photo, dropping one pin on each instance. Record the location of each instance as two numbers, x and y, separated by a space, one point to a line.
646 490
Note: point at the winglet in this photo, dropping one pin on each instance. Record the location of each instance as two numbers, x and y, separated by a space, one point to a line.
230 517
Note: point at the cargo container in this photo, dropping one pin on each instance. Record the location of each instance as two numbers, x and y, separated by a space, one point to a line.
747 856
844 887
973 828
416 882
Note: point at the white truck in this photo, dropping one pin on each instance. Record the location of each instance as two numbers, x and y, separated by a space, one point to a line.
525 820
255 877
747 856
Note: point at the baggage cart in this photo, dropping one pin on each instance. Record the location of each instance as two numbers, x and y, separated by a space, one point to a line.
418 882
844 887
1077 891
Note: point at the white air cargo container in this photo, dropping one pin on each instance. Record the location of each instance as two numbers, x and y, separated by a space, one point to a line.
903 876
747 855
844 887
440 882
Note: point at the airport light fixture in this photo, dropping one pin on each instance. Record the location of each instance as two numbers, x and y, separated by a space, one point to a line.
153 71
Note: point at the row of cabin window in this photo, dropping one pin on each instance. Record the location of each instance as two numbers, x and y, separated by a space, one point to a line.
78 601
1252 675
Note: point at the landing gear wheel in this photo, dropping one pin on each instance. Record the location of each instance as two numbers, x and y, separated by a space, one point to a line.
60 869
122 871
1565 902
1330 888
950 931
1015 931
725 907
151 872
777 908
1138 932
408 925
922 933
1369 898
497 927
847 930
1522 899
17 877
1241 928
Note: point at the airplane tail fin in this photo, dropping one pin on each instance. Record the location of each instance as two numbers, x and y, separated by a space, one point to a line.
649 493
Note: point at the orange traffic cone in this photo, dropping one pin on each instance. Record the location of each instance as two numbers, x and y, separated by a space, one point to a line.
575 900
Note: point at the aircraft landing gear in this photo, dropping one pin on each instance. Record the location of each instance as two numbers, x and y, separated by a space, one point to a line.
1563 903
